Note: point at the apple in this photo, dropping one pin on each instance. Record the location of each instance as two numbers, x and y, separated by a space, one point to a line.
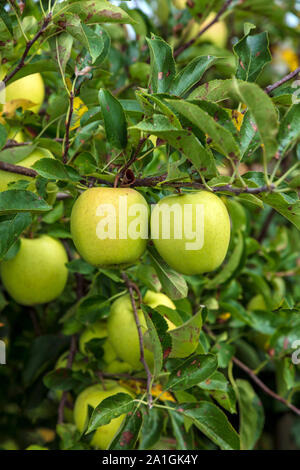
37 274
191 231
122 329
30 88
93 396
7 177
109 226
179 4
96 331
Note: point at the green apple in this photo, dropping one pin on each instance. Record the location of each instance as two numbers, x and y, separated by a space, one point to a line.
122 330
7 177
30 88
38 273
93 396
109 226
217 34
191 231
179 4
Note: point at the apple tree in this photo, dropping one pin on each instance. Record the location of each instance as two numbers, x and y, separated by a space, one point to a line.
137 343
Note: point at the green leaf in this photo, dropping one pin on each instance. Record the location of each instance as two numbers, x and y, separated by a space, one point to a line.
63 49
15 154
128 434
114 119
183 436
289 130
11 229
231 266
36 66
157 328
6 19
59 379
53 169
162 65
191 74
110 408
90 39
249 136
251 415
222 138
92 12
185 338
213 423
152 428
174 285
15 200
264 113
253 54
183 140
192 371
285 205
3 135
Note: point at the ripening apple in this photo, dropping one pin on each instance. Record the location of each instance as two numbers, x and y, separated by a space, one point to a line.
109 226
30 88
191 231
257 303
122 329
7 177
93 396
38 273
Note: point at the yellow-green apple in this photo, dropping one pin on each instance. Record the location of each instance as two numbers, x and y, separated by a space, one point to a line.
93 396
38 273
30 88
109 226
191 231
257 303
122 329
217 34
7 177
179 4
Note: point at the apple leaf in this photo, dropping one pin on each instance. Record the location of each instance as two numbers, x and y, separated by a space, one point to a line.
184 435
3 135
14 155
92 12
15 200
251 415
114 119
253 54
192 371
62 48
110 408
52 169
59 379
174 285
94 41
11 229
152 427
156 336
162 65
212 422
222 138
191 74
185 338
128 434
289 131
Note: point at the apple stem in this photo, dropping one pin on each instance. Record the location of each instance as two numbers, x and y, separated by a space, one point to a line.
131 289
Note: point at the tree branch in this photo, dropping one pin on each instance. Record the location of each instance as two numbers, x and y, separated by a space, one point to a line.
285 79
68 125
131 288
203 30
29 44
19 170
264 387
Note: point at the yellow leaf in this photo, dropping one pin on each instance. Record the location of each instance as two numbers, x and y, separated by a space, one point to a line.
290 58
79 109
237 118
11 106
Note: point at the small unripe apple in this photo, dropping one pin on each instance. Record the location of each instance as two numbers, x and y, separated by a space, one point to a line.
38 273
30 88
257 303
191 231
122 329
7 177
93 396
109 226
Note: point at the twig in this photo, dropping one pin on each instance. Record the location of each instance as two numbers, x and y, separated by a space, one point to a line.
64 397
264 387
285 79
20 170
68 125
203 30
12 143
131 289
29 44
130 161
266 225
